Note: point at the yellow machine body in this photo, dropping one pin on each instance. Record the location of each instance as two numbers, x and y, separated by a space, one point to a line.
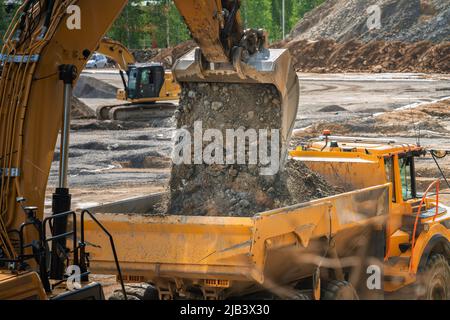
229 256
26 286
31 103
233 256
359 164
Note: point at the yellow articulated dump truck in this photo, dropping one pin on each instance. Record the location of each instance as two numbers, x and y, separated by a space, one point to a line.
375 238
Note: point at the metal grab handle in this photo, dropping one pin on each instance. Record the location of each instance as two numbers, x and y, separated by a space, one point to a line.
434 183
113 247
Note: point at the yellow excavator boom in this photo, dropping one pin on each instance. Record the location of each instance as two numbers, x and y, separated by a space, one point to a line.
116 51
215 26
37 44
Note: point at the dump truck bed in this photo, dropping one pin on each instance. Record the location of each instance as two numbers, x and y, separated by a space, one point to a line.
233 255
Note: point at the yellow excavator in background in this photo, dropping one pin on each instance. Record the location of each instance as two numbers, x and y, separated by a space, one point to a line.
46 46
145 85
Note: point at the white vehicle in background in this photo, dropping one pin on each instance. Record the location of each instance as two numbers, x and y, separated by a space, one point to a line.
97 61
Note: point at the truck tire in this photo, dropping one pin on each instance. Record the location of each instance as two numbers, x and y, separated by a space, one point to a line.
301 296
339 290
435 279
140 291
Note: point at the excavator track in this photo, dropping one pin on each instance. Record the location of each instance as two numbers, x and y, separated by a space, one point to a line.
136 112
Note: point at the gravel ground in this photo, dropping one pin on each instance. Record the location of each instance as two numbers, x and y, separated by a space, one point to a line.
402 20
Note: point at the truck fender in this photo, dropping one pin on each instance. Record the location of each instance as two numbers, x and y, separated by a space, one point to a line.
437 244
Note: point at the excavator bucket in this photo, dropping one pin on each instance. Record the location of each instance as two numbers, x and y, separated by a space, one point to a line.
267 66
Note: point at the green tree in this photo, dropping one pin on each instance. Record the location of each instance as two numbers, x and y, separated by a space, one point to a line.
257 14
158 22
142 25
3 21
178 29
169 28
129 26
7 12
267 14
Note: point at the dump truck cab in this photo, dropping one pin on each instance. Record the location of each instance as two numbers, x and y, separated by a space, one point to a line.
418 226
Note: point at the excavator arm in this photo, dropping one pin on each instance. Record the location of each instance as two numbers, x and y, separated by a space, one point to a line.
215 26
38 42
116 51
123 57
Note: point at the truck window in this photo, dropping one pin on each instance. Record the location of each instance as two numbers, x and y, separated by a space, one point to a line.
406 178
389 170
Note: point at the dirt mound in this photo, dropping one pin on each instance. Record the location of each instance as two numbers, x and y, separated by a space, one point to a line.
428 119
332 108
401 20
166 56
90 87
305 185
375 56
235 189
141 161
79 110
145 55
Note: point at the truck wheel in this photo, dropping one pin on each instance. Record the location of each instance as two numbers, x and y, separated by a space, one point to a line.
141 291
301 296
435 282
339 290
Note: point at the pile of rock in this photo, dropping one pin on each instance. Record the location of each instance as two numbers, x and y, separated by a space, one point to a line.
224 189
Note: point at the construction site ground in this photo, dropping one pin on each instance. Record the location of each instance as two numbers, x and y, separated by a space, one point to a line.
110 161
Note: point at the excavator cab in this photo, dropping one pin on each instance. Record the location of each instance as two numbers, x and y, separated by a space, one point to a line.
145 81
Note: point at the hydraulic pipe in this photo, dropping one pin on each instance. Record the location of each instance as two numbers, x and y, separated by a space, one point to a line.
62 198
65 137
